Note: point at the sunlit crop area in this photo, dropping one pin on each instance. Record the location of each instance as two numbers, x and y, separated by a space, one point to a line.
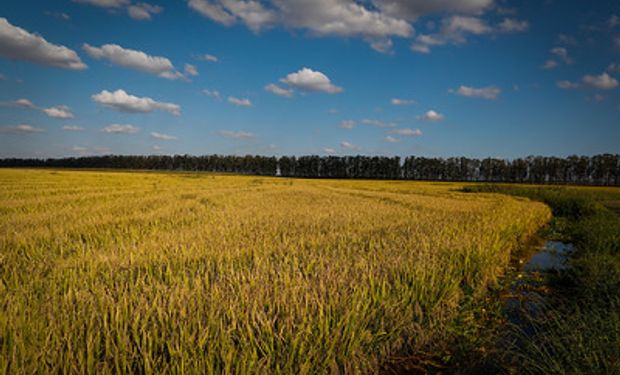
154 272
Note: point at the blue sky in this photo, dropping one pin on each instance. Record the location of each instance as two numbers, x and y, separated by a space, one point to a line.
473 78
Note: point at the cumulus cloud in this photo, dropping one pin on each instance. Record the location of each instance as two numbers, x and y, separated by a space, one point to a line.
402 102
237 134
391 139
329 150
61 111
120 129
121 101
20 129
163 137
320 17
239 102
509 25
602 82
72 128
275 89
489 92
309 80
406 132
20 103
412 10
19 44
133 59
432 116
550 64
143 11
378 123
212 93
208 57
562 54
105 3
347 124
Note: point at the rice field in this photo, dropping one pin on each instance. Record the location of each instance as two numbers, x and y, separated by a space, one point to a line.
106 272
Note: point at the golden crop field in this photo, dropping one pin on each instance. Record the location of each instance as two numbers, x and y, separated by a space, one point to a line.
197 273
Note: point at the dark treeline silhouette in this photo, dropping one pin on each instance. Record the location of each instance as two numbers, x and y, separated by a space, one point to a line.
599 169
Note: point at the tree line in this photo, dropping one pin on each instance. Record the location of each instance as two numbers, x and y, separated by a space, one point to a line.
601 169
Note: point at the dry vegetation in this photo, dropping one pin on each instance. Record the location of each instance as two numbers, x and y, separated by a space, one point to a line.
154 272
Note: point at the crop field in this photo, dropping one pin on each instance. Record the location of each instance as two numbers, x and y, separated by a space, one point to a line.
200 273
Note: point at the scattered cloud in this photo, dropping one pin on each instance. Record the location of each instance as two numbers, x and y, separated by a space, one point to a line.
133 59
550 64
208 57
567 40
567 85
509 25
191 70
156 148
309 80
163 137
143 11
412 10
227 12
602 82
212 93
20 129
402 102
58 15
79 149
72 128
489 92
406 132
562 54
18 44
237 134
329 150
121 101
613 68
391 139
275 89
348 146
378 123
104 3
432 116
61 112
613 21
20 103
347 124
120 129
240 102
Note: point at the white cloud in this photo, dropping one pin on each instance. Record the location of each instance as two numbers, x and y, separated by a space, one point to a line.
59 15
72 128
489 92
61 111
613 68
432 116
412 10
550 64
212 93
603 81
567 39
567 85
562 54
134 59
240 102
236 134
208 57
329 150
105 3
347 124
509 25
275 89
227 12
18 44
309 80
420 48
121 101
163 137
21 103
20 129
79 149
402 102
391 139
613 21
156 148
348 146
120 129
406 132
378 123
191 70
143 11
